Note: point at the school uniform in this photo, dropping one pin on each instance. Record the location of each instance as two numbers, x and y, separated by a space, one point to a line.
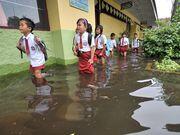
108 47
34 53
112 44
135 44
100 41
123 44
84 51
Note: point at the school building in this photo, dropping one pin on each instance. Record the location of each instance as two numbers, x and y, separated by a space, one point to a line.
56 22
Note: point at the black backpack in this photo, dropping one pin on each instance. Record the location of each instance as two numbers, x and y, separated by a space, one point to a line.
89 38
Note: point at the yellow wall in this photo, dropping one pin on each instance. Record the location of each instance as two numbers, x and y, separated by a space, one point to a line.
111 24
63 16
69 15
53 14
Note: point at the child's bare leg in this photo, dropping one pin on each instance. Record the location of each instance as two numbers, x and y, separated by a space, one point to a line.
38 74
125 53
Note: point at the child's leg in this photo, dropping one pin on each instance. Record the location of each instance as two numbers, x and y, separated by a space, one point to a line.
125 53
38 74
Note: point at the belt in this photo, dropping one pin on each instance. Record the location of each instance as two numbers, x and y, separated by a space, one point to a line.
99 49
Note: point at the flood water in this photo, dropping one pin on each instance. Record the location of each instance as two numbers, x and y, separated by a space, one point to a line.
120 98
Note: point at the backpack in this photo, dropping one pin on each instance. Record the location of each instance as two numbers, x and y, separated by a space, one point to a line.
40 43
89 38
42 46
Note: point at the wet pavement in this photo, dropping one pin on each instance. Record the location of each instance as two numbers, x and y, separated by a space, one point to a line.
120 98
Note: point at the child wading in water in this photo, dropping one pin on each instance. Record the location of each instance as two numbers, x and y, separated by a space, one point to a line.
123 45
84 47
28 43
135 43
112 44
100 41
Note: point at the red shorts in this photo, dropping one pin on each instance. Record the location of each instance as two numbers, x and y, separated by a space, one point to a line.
32 69
123 48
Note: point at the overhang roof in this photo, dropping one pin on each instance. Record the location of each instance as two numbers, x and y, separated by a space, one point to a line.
144 10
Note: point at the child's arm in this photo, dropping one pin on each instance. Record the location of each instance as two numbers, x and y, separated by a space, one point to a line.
74 48
104 44
128 42
93 48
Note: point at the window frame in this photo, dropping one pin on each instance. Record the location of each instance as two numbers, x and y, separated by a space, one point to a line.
39 29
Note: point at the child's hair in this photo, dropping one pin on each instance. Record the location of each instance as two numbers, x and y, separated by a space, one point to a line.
29 23
135 34
84 21
101 29
89 28
124 33
112 34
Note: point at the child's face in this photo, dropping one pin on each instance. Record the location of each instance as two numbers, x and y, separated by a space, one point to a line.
112 37
135 35
124 35
81 27
98 31
23 27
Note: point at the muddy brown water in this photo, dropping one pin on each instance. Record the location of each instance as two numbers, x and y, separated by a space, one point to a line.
118 99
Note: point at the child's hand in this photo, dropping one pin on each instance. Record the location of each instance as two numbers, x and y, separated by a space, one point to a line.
75 53
90 61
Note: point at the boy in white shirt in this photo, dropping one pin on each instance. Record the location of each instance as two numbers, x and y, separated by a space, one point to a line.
113 44
135 43
29 45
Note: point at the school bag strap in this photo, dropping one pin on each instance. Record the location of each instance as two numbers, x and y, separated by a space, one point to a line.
89 38
20 47
42 46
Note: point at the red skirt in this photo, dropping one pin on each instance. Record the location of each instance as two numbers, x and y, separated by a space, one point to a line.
84 65
99 54
123 49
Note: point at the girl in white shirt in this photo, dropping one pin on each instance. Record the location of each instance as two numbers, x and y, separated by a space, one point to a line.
83 49
100 42
123 45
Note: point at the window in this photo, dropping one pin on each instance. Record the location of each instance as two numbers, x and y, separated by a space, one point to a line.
12 10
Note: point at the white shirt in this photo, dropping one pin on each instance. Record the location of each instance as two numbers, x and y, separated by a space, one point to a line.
36 56
135 43
100 41
113 43
85 46
125 42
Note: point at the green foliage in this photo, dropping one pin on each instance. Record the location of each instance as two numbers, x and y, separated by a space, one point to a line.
163 40
167 65
176 17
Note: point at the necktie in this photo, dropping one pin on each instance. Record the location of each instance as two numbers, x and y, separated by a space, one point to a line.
97 43
81 46
122 43
27 47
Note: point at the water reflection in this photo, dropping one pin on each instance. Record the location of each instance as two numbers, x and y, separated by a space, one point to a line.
156 114
42 101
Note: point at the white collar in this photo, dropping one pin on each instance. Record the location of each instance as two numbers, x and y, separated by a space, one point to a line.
28 36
